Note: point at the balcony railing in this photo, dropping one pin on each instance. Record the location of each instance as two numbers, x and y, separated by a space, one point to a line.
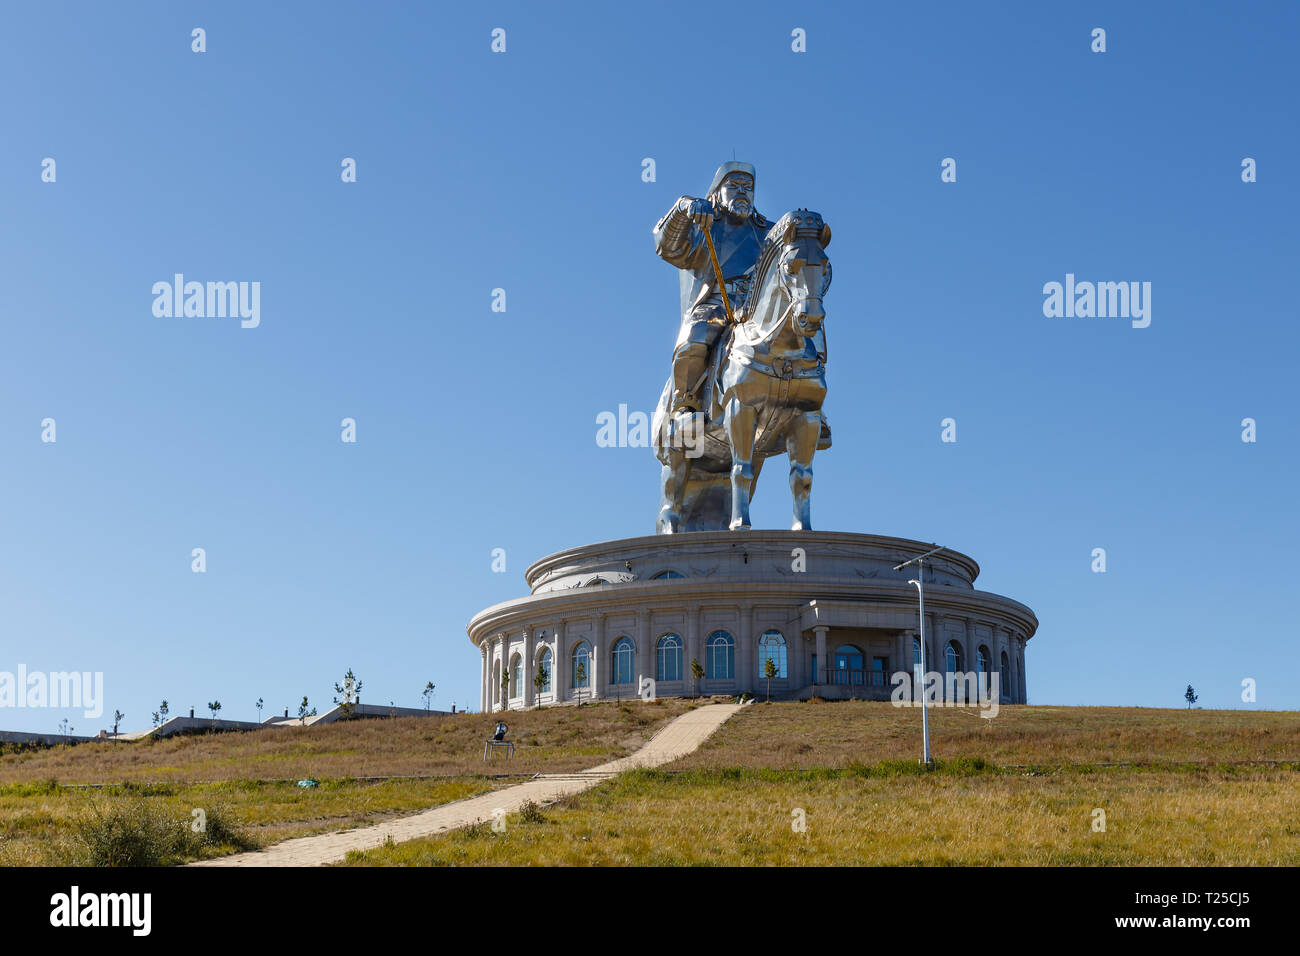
855 677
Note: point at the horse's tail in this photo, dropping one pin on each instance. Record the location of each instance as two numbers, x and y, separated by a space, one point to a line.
659 423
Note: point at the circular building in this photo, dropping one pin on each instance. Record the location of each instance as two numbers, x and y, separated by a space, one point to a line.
630 617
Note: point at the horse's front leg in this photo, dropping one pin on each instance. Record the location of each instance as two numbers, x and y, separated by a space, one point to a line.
741 420
801 444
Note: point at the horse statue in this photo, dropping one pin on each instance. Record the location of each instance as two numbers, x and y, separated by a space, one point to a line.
762 392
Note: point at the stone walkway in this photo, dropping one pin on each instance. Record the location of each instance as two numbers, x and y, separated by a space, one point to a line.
678 738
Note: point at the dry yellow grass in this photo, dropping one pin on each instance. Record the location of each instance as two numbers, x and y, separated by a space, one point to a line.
252 776
37 824
745 818
1193 787
552 739
793 735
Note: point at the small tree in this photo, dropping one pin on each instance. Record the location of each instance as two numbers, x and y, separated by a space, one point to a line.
427 694
1190 696
215 707
118 717
259 705
580 678
769 671
63 726
349 693
697 674
155 718
539 681
163 711
303 712
505 690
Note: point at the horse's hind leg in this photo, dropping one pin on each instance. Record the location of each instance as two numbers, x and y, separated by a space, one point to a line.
672 489
800 444
740 435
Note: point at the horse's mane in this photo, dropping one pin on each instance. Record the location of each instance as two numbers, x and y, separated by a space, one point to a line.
771 248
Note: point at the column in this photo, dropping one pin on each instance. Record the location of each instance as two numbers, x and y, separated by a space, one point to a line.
560 663
937 660
1004 640
597 657
972 645
644 650
530 666
1021 685
908 660
899 661
692 636
746 650
498 654
794 654
820 630
1013 661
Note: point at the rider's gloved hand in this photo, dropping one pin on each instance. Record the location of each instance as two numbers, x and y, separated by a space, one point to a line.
700 211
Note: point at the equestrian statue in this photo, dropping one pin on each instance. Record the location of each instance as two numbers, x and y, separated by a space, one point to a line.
749 369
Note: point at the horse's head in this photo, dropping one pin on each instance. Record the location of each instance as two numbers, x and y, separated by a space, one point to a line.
793 274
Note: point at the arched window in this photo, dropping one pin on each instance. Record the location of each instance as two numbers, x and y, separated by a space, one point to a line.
544 661
848 657
982 661
594 581
664 575
622 659
670 658
952 658
917 675
516 675
720 656
771 646
581 656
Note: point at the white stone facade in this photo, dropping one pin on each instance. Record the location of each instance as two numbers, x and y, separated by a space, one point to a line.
646 607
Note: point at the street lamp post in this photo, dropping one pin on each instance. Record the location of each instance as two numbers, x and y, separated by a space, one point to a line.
919 581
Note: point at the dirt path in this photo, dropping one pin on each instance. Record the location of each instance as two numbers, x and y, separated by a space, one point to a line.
676 739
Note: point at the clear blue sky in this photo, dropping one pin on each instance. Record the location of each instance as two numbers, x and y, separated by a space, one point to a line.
522 170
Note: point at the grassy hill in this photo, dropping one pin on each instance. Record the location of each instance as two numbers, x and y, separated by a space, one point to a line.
1172 787
59 804
1175 787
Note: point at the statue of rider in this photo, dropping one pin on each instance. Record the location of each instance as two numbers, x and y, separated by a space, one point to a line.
738 231
727 212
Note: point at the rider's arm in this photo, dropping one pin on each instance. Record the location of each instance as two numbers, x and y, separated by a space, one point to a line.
677 240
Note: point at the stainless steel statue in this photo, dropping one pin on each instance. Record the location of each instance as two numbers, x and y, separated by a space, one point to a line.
748 376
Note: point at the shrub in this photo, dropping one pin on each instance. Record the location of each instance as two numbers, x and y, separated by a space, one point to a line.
135 834
967 766
223 832
530 812
142 834
37 788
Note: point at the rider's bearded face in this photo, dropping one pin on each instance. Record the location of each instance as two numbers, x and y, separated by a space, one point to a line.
736 197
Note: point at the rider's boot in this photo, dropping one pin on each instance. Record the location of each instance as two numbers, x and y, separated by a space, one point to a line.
689 362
